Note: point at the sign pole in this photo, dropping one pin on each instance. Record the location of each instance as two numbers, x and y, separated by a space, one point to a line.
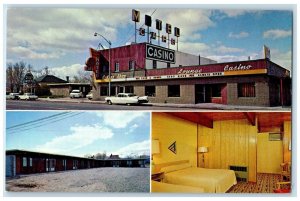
135 32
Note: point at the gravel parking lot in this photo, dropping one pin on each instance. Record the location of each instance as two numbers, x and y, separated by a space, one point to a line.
88 180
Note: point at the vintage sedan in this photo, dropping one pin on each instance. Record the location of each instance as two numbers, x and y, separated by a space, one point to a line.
28 96
126 98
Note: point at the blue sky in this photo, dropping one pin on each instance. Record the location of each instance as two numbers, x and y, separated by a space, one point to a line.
59 37
80 133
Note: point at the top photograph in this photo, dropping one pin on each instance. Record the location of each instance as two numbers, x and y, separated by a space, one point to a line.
101 58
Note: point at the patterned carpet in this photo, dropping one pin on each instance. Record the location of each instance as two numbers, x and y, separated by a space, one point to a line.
266 183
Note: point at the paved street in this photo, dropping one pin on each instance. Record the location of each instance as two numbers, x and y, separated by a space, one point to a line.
48 105
84 104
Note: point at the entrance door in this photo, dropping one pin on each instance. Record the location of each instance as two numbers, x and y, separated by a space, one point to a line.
200 93
50 165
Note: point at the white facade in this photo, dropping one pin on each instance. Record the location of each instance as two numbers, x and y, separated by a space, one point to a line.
181 59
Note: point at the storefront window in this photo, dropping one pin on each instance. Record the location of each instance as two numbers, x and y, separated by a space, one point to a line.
129 89
30 162
104 91
131 65
246 89
216 90
173 90
150 91
117 67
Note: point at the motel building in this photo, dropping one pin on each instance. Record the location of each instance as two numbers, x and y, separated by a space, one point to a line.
169 76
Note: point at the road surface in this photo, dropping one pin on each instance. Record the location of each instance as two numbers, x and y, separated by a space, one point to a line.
48 105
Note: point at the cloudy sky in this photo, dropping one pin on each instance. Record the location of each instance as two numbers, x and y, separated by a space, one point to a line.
79 133
59 37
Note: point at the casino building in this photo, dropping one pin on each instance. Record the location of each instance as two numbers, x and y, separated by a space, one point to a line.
169 76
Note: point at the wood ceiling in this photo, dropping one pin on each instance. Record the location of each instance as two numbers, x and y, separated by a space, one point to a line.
266 121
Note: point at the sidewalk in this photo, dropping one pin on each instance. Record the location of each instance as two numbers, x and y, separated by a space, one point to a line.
203 106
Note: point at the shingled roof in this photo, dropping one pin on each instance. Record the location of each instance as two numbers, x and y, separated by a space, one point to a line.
49 79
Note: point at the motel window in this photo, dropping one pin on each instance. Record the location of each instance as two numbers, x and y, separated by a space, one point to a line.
246 89
30 162
150 91
24 162
168 65
173 90
154 64
104 91
129 89
131 65
117 67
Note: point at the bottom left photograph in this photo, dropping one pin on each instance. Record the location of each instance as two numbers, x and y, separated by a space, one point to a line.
77 151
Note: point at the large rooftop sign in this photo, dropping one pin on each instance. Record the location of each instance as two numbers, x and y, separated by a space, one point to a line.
159 53
152 34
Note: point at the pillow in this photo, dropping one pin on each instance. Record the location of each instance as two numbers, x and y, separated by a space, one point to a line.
173 168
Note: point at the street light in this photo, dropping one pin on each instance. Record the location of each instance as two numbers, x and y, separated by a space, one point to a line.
109 43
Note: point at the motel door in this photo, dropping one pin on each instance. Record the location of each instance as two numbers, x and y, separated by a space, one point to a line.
50 165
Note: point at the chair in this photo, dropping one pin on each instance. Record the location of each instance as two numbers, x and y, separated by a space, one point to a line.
283 187
285 171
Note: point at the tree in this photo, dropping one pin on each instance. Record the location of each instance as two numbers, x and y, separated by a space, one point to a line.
15 74
100 155
82 77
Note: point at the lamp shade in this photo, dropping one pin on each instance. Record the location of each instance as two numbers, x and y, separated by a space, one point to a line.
202 149
155 147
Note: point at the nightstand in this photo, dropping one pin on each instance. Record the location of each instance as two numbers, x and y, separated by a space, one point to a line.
158 176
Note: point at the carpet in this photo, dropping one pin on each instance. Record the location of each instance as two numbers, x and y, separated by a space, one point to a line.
266 183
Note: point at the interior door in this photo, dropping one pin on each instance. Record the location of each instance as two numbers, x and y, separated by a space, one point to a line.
269 154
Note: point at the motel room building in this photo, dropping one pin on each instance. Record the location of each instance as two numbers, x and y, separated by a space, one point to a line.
169 76
20 162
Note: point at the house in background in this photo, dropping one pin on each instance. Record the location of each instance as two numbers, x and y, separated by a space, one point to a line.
60 87
253 144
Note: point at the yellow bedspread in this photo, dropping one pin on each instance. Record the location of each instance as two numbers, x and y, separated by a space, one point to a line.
211 180
159 187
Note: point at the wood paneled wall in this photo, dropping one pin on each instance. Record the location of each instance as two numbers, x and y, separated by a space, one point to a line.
168 129
287 128
232 142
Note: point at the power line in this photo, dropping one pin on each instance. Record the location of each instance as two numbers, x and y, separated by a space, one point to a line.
45 123
37 120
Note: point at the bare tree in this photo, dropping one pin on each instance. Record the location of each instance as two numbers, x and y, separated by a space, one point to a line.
15 74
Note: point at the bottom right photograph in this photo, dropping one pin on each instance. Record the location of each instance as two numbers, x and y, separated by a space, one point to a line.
221 152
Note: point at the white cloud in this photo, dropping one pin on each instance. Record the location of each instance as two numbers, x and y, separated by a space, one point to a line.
135 149
227 58
71 71
120 119
131 129
64 30
242 34
283 59
27 53
277 33
223 49
80 136
234 13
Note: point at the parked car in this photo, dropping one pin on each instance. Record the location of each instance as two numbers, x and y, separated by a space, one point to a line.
28 96
13 96
90 95
76 94
126 98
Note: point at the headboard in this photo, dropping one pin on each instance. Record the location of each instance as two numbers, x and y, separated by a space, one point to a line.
161 165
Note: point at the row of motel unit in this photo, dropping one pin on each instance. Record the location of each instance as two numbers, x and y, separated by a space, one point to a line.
20 162
190 79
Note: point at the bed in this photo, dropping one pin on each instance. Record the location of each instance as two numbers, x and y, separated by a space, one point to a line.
160 187
211 180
